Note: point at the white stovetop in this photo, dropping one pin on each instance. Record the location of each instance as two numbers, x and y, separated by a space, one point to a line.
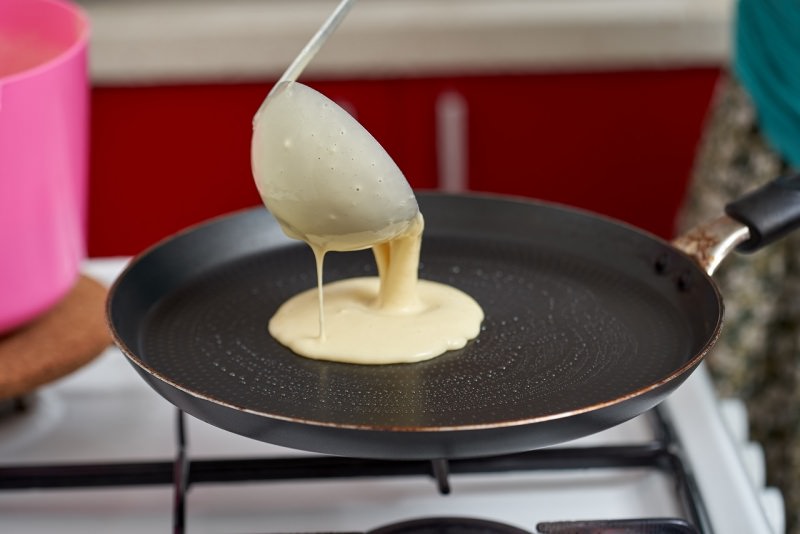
105 412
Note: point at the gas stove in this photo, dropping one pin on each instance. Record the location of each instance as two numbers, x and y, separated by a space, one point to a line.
100 451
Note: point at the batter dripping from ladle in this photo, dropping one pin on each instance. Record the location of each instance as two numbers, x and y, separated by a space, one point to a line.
329 183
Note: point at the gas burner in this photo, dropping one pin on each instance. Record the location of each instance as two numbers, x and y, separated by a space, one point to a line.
468 525
448 525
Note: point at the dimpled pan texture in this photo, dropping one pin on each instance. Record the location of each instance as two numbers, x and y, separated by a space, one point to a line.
589 322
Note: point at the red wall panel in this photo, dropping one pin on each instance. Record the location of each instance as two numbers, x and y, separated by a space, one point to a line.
619 143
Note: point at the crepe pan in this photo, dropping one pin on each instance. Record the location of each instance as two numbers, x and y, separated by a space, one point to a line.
589 322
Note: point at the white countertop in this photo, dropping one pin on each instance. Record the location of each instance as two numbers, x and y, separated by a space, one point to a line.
149 41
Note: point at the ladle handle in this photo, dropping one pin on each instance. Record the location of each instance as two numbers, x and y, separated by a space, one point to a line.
312 47
316 42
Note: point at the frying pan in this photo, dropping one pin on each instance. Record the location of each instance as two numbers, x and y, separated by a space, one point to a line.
589 322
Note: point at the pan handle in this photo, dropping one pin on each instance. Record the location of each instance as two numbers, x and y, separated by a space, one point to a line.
751 222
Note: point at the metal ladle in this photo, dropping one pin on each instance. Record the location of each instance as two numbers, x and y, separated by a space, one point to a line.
319 172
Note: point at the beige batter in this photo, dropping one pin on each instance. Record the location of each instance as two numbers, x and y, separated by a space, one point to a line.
329 183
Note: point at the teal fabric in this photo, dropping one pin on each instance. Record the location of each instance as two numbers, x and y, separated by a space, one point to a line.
767 62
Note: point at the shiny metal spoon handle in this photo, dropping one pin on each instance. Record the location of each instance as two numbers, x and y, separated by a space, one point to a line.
312 47
316 42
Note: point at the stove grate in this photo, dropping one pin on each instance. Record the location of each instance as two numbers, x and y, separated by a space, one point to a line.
618 526
663 452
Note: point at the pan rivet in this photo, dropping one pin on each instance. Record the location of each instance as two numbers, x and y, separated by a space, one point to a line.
662 263
685 281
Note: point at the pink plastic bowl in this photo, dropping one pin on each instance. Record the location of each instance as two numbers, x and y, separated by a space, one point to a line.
44 108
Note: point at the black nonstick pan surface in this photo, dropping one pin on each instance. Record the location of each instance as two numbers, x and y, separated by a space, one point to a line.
589 322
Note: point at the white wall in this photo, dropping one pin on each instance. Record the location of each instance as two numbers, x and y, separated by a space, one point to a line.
150 41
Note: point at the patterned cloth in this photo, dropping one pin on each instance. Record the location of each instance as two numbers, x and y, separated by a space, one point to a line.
758 355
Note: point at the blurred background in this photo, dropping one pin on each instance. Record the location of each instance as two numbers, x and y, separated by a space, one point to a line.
593 103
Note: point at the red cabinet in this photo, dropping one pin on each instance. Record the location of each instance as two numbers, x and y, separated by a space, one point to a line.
620 143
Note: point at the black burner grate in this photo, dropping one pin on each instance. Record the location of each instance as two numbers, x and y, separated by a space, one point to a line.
663 453
618 526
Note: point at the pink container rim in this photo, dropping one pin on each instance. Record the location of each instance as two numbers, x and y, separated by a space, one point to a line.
77 47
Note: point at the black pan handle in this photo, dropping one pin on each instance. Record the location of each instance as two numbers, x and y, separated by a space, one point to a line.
769 212
751 222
